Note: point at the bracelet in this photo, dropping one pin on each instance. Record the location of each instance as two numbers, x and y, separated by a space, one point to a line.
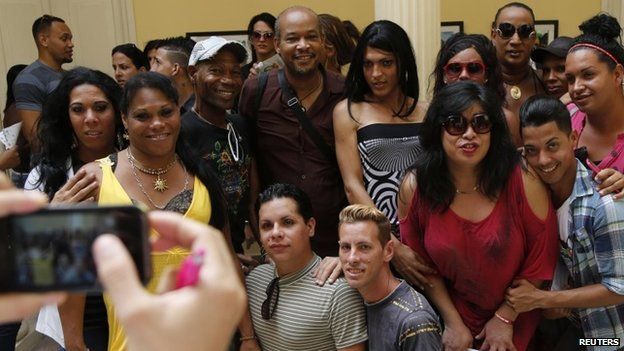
245 338
503 319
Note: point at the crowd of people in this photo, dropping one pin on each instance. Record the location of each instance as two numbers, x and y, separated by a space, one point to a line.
485 218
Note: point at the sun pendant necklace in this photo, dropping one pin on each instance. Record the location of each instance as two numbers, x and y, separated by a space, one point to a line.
515 92
160 184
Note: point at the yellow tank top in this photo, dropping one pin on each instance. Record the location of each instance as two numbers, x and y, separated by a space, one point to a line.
112 193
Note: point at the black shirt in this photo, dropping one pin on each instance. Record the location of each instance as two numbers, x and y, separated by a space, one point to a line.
228 153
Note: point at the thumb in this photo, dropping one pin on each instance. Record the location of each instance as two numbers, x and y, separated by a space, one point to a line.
480 335
118 274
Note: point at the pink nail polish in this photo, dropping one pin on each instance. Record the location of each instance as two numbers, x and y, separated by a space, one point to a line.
188 275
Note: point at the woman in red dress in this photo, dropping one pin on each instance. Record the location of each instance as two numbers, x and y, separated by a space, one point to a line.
479 218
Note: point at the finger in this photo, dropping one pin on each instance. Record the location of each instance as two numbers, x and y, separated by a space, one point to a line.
619 194
19 201
418 279
16 307
84 192
485 346
315 271
481 334
335 274
73 180
422 267
118 274
86 181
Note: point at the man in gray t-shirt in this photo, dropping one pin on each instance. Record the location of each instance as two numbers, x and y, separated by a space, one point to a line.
33 85
399 317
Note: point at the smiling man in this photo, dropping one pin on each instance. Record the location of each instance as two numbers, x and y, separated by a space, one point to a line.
221 138
399 317
289 311
292 114
591 229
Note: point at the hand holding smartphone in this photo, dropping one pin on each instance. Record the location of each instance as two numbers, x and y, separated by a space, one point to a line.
50 249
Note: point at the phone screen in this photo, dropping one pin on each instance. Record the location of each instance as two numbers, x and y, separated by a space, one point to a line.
51 249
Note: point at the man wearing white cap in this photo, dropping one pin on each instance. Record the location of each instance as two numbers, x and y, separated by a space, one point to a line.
221 138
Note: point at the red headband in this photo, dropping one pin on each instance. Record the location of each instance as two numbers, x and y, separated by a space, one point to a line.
597 48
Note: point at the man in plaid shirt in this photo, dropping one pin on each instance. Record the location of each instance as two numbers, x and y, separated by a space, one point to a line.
591 228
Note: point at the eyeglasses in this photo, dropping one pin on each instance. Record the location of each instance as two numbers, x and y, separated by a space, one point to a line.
458 124
507 30
270 304
262 35
455 69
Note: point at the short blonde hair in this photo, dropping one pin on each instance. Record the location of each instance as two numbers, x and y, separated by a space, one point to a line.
361 213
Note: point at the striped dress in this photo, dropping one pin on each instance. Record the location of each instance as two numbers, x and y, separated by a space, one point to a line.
307 316
386 152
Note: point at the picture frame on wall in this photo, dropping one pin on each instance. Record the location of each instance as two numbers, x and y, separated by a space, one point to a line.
546 31
449 28
237 35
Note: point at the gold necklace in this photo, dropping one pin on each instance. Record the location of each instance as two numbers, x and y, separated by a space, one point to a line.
461 192
515 92
160 184
149 198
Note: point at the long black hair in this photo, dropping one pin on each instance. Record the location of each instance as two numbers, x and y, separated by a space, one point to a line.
265 17
602 31
483 46
10 78
55 131
387 36
193 162
432 173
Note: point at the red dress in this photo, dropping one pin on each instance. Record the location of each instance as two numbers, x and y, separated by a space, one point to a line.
478 261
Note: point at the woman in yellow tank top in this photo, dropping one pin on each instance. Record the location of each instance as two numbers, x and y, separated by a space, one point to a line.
158 170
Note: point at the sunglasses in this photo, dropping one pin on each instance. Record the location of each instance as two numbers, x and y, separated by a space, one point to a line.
507 30
458 124
270 304
455 69
262 35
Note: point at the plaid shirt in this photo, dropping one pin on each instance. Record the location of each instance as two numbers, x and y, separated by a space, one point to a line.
596 255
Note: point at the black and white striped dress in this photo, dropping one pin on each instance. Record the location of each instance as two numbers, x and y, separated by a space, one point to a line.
386 151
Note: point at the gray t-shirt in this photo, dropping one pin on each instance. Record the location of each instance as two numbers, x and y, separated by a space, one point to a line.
33 85
403 320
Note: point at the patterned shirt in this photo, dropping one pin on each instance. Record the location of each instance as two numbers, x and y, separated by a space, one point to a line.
594 254
403 321
307 316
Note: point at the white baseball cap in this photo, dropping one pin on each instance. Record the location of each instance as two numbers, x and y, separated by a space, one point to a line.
206 49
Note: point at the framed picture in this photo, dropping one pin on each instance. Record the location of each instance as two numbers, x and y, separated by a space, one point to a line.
238 35
546 31
450 28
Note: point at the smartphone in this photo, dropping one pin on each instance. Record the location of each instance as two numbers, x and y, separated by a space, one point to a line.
50 250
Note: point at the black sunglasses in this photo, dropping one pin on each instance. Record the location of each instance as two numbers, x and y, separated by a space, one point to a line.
455 69
259 35
507 30
270 304
458 124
